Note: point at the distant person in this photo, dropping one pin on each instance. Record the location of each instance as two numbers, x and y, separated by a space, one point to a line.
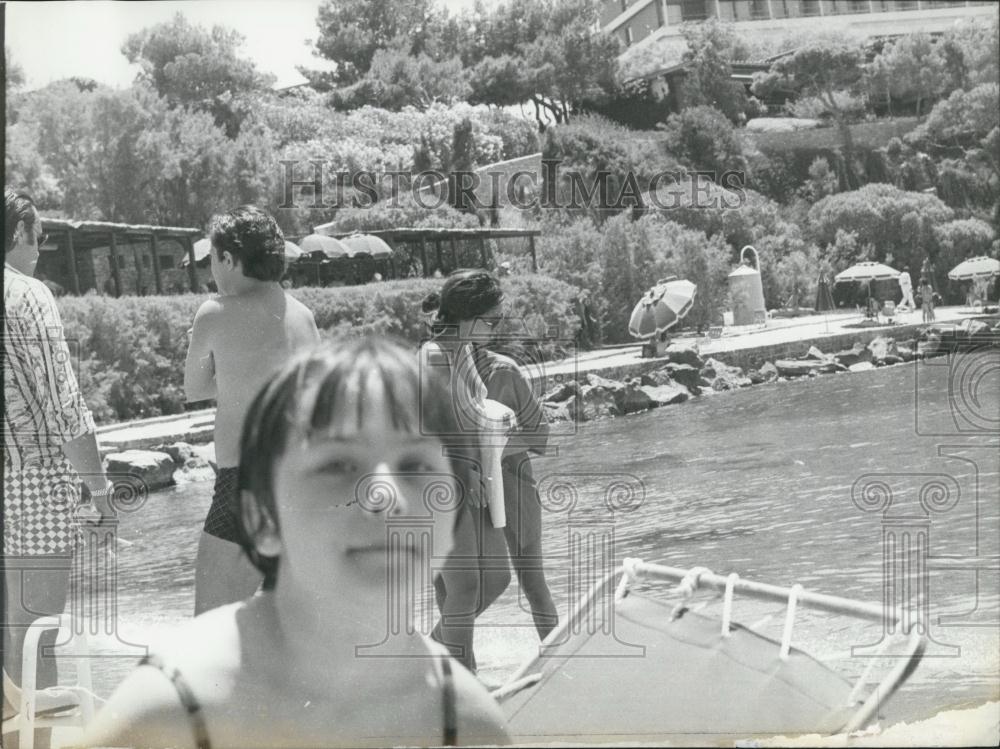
906 286
927 299
239 338
288 667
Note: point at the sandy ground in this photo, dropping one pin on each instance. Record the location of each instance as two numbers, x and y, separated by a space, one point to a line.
977 726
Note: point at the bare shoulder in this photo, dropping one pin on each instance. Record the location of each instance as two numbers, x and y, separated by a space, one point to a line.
147 709
479 718
210 309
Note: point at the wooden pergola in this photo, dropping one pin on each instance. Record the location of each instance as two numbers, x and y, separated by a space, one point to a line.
442 240
74 237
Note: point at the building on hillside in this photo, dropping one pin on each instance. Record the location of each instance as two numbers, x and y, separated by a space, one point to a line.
118 259
640 22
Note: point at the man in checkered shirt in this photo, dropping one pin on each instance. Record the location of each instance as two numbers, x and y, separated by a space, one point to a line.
49 446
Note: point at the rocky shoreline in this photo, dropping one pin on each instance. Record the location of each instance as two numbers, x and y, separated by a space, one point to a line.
686 374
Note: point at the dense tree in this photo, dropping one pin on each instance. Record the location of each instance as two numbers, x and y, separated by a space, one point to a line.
13 73
548 52
911 69
193 67
704 139
352 31
708 81
820 69
398 79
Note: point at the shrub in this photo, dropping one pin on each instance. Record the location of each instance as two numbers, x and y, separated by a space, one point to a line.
704 138
896 223
132 350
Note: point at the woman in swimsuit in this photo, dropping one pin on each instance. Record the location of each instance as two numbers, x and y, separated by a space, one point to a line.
348 500
478 571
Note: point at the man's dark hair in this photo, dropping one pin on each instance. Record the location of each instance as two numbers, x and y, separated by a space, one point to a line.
252 237
17 207
307 396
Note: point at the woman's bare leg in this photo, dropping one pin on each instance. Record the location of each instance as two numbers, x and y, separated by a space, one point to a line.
530 571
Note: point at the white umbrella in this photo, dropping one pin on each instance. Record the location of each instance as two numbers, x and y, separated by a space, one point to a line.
661 307
867 272
332 248
368 244
975 268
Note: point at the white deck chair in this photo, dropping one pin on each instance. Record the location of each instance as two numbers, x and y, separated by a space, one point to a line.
52 707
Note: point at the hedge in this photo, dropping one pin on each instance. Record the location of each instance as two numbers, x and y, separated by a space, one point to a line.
129 353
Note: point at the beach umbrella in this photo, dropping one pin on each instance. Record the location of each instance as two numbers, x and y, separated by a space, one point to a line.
975 268
368 244
328 246
661 307
204 245
867 272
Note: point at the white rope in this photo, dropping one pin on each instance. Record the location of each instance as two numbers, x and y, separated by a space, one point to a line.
727 603
686 588
630 568
786 636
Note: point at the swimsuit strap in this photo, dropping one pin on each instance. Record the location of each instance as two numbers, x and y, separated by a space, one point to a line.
448 697
187 698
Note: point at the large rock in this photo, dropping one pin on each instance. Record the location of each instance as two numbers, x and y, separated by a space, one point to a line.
815 353
884 351
681 353
563 411
596 402
563 392
858 353
769 372
154 469
664 395
659 376
724 377
206 451
686 375
861 366
603 382
930 345
179 452
633 398
905 352
804 367
195 469
975 332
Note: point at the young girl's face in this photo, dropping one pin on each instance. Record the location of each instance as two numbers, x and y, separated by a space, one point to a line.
363 499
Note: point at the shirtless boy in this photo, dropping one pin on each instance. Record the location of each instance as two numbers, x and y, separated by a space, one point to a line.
239 338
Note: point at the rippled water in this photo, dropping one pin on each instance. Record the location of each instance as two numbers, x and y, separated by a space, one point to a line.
758 481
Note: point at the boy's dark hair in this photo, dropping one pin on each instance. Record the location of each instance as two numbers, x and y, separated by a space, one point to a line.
17 207
466 294
252 237
304 397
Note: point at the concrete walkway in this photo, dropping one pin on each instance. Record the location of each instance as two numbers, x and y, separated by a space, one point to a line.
736 345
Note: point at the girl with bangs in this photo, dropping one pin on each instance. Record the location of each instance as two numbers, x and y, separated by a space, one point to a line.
347 487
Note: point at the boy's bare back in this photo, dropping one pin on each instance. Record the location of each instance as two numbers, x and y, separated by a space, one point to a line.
238 341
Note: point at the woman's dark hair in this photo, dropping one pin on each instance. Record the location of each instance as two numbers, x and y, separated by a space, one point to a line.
466 294
252 237
305 398
17 207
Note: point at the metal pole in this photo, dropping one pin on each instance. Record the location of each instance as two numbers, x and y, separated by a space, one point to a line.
71 257
482 250
437 251
154 250
192 271
534 259
115 272
138 269
423 258
454 254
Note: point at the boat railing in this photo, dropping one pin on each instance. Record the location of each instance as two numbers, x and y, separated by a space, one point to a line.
689 580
